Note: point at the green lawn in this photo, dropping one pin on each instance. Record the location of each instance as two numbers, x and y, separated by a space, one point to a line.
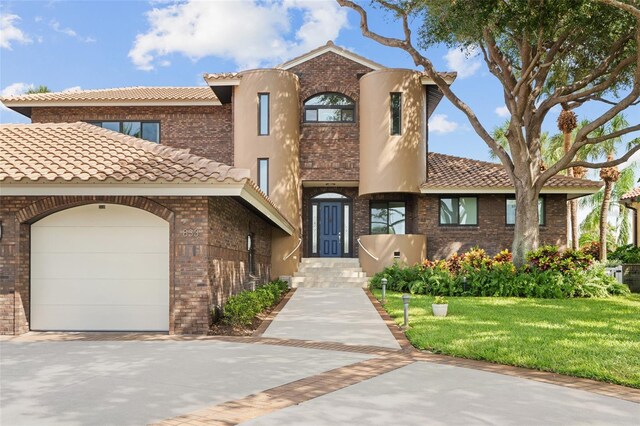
594 338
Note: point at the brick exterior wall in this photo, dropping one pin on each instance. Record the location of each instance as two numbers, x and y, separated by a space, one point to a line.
205 266
329 151
492 233
206 130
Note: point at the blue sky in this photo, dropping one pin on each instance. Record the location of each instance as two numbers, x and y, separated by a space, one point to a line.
68 45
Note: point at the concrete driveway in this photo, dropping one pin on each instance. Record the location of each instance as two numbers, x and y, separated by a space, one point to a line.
136 383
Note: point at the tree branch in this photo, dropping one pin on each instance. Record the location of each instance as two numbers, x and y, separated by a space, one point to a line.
420 60
611 163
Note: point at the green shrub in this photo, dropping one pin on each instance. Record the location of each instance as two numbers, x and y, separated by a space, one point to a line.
551 274
241 309
626 254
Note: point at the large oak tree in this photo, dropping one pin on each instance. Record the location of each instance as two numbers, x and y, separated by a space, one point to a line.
544 53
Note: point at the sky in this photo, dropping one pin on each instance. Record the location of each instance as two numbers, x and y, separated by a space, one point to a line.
74 45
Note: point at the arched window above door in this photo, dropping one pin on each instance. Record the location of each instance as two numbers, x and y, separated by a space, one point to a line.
329 107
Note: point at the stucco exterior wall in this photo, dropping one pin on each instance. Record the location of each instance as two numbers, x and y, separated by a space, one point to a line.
392 163
412 249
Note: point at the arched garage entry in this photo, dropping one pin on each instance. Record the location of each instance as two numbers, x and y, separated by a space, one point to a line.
100 267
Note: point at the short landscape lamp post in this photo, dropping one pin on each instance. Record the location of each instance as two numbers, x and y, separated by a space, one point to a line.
384 289
464 284
405 300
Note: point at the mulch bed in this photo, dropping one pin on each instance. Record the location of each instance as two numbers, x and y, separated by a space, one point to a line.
221 329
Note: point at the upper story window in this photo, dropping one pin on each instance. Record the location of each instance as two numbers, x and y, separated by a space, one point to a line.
396 113
148 130
263 114
329 108
263 175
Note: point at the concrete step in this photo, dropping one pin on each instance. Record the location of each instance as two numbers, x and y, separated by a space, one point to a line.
330 262
309 279
333 272
328 284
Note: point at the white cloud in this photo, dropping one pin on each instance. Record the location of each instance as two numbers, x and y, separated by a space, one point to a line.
72 89
440 123
14 89
248 32
503 112
10 33
464 61
55 25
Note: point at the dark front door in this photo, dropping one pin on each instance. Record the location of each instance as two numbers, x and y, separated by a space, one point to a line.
330 229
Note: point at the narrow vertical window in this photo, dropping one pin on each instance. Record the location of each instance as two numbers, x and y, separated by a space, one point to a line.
314 228
396 113
263 174
263 114
346 230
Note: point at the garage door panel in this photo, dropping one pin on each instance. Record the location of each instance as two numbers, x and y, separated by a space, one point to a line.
100 318
113 215
56 239
100 265
108 292
98 269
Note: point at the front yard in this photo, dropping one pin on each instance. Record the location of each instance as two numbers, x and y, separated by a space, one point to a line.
593 338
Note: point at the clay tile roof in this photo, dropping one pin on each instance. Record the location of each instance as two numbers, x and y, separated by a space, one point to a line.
331 47
125 95
634 193
82 152
449 172
222 75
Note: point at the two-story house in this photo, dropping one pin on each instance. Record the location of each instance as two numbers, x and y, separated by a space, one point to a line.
144 208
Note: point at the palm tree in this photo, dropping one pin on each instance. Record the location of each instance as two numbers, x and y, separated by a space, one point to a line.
591 226
39 89
567 123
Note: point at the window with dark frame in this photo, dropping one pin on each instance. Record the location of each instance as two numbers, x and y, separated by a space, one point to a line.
263 114
396 113
147 130
263 175
460 211
387 217
510 211
329 108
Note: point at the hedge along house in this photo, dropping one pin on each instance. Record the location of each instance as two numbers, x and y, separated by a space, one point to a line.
335 143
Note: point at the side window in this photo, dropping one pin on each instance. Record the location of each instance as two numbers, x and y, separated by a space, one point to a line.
511 211
396 113
263 114
263 175
459 211
387 217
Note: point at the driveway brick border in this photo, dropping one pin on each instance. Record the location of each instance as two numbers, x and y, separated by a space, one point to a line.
589 385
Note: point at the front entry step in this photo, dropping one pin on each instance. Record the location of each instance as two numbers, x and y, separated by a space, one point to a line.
329 273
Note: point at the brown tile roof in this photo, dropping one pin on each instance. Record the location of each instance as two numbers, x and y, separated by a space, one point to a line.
222 75
634 193
161 95
450 172
330 46
82 152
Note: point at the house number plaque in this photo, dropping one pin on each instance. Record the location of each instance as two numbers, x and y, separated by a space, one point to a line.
191 232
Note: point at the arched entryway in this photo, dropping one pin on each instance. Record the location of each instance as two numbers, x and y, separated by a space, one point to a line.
100 267
330 225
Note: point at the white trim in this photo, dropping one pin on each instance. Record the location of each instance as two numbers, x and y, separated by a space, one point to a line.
570 192
367 251
250 195
222 81
330 48
84 103
233 189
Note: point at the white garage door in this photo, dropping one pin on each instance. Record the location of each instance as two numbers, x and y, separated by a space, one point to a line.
100 267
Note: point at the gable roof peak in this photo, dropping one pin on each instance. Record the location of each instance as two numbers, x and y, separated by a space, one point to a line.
330 46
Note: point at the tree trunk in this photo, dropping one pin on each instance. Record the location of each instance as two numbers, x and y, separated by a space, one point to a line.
526 231
604 218
575 237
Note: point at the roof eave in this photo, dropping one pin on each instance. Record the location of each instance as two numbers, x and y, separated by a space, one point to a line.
571 192
242 189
